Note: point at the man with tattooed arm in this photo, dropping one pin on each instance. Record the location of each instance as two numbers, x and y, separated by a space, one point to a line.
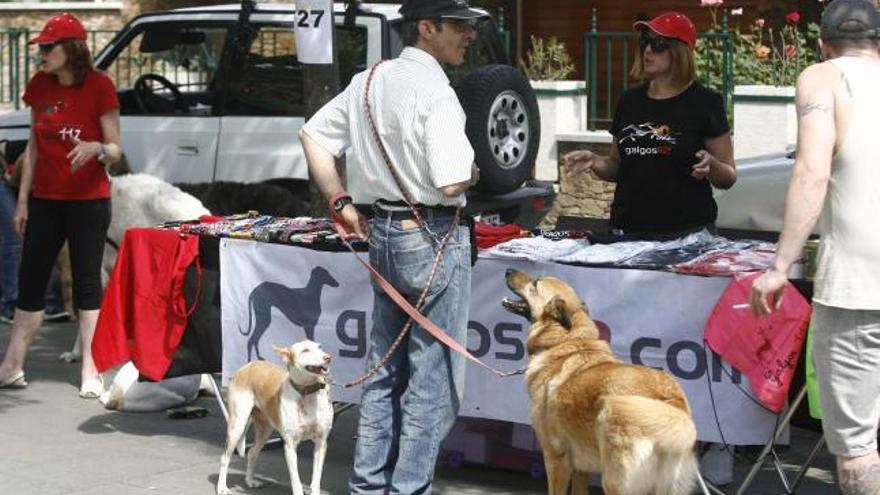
836 176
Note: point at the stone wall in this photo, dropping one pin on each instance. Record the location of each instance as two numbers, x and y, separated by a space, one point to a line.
582 195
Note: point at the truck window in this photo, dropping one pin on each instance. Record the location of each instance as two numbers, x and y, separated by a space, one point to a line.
269 80
164 59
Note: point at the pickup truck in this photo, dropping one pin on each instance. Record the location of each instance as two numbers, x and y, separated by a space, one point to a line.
217 94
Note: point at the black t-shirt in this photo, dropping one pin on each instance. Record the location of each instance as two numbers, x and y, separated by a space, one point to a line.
658 141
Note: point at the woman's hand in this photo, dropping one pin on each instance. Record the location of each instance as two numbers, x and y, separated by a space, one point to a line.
579 161
82 153
701 169
19 218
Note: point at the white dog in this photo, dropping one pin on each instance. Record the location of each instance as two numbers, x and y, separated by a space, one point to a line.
295 403
139 200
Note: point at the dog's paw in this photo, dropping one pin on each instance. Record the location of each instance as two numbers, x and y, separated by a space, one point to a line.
222 490
253 483
69 357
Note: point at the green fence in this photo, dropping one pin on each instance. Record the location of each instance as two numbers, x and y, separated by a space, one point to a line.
608 58
18 60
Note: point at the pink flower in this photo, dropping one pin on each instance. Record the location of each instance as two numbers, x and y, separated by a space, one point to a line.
793 17
738 11
711 3
790 51
759 22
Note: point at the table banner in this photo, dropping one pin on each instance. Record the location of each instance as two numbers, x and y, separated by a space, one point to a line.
275 295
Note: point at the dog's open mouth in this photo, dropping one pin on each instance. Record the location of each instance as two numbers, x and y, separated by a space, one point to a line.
318 370
517 307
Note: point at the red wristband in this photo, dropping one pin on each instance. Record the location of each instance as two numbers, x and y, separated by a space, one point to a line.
333 199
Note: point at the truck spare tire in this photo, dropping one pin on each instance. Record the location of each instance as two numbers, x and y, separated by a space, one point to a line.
503 125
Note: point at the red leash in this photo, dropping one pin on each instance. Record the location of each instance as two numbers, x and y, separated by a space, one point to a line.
438 333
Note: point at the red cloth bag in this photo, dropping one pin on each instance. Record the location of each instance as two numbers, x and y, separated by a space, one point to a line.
766 349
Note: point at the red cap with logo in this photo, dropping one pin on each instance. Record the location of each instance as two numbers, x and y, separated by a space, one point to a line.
671 25
61 27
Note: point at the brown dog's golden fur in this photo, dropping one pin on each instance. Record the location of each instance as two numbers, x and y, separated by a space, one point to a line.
593 413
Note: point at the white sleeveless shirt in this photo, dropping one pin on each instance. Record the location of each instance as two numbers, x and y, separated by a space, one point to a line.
848 274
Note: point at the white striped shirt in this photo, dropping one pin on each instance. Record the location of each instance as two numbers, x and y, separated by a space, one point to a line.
420 121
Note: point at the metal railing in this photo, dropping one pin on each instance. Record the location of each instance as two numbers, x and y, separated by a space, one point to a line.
608 58
18 60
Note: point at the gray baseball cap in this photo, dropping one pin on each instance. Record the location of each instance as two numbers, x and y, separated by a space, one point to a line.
851 19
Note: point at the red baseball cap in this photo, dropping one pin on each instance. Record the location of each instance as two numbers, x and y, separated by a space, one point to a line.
60 27
673 25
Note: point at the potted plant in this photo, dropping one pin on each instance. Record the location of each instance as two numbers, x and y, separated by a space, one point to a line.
766 63
561 103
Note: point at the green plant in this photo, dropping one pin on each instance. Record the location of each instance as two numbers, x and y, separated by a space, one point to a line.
760 54
547 60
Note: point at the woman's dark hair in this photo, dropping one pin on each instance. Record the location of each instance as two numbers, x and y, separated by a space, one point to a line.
78 57
410 30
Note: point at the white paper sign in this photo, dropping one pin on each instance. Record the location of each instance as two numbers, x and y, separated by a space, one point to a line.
275 294
313 31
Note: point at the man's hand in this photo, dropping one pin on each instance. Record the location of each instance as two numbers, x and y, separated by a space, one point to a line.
579 161
353 225
475 174
766 295
82 153
701 169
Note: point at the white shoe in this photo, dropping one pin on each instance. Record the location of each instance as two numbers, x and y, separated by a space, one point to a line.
92 389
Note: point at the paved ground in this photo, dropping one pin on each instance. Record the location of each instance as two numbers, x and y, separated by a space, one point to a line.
53 442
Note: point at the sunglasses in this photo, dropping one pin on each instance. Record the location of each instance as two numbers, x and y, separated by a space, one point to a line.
657 44
47 47
461 25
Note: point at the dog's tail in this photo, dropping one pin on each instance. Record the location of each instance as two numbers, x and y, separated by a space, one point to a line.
250 326
671 462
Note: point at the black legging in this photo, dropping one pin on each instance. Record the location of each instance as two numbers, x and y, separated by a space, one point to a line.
83 223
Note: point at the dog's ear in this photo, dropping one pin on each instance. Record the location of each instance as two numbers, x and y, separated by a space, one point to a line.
286 354
558 310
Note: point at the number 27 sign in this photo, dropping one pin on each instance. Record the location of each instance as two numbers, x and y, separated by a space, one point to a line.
313 30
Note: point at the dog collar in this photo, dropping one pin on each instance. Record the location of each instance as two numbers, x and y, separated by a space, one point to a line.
308 389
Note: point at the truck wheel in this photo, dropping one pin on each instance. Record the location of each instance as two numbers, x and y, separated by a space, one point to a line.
503 125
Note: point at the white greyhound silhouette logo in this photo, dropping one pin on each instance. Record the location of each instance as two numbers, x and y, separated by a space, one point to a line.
302 306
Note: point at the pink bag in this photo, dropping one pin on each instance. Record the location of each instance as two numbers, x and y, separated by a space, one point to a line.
765 349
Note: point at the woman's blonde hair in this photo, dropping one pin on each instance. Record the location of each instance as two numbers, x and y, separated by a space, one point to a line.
682 64
78 57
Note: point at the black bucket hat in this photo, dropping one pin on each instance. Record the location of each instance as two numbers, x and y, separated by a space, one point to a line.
852 19
413 10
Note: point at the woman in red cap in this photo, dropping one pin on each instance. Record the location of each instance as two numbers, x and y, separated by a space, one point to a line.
64 193
671 140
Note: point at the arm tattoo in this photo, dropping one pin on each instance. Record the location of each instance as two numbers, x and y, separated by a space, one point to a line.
805 110
860 481
846 84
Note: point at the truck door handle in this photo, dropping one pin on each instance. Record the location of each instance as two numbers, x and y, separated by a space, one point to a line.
187 149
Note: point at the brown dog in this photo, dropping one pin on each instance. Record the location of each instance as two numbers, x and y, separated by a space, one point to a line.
591 412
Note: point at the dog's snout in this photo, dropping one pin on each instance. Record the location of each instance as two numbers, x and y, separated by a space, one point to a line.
328 358
510 272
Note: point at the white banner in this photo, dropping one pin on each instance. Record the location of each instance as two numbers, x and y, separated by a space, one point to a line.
275 294
313 31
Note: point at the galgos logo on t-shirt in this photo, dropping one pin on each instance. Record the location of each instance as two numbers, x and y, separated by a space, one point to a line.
647 139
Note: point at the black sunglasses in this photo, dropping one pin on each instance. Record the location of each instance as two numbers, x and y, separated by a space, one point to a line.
47 47
658 44
460 24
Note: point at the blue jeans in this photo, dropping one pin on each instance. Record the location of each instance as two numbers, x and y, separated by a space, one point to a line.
10 251
10 256
408 407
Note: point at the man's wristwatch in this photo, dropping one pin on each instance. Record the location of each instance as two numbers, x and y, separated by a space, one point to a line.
340 201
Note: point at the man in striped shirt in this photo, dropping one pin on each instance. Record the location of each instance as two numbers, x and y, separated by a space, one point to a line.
409 405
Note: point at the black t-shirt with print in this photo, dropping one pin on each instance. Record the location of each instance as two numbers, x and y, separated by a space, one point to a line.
658 141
